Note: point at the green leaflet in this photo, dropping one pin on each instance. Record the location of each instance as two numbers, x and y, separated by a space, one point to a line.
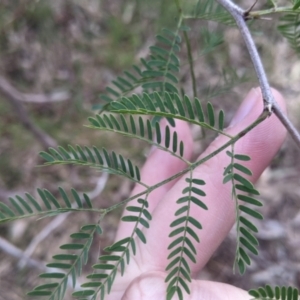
268 292
92 157
289 28
105 271
70 263
168 105
235 174
158 73
137 129
185 233
209 10
21 207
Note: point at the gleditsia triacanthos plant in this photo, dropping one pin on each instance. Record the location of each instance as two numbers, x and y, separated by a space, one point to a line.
137 115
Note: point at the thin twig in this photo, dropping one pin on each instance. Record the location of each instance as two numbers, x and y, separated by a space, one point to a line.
7 88
191 62
14 251
13 95
44 233
192 166
275 10
269 102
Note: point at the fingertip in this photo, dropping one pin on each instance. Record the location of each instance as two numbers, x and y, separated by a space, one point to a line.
263 141
252 106
152 285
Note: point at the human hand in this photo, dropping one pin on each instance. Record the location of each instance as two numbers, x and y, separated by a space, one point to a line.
144 277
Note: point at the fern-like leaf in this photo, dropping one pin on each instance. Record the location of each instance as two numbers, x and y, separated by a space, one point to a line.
278 293
158 73
105 271
290 28
228 80
182 247
102 160
69 264
212 11
209 40
246 241
28 206
170 106
141 218
140 129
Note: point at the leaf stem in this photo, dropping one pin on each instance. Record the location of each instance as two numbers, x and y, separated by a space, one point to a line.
258 13
191 62
51 213
189 52
237 213
233 140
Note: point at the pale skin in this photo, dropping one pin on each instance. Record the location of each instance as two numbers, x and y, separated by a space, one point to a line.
144 276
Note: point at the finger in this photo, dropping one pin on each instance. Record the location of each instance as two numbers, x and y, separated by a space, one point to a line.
159 166
152 285
261 144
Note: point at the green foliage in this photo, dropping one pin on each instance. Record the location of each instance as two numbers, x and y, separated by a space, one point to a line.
212 11
229 79
184 230
290 28
121 254
140 129
102 160
210 40
242 191
24 207
68 264
158 73
269 293
135 104
296 4
171 106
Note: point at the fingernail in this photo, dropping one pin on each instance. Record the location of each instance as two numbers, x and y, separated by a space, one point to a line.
246 107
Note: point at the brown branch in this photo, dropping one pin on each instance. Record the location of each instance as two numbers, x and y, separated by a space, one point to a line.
270 103
14 251
5 86
15 98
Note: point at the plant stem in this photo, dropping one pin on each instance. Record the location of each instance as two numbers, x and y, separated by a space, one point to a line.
233 140
238 15
273 10
287 124
191 62
269 102
189 51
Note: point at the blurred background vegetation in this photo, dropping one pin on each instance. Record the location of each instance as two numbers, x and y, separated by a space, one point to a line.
64 53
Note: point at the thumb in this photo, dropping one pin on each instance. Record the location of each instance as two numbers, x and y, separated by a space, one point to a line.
152 285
